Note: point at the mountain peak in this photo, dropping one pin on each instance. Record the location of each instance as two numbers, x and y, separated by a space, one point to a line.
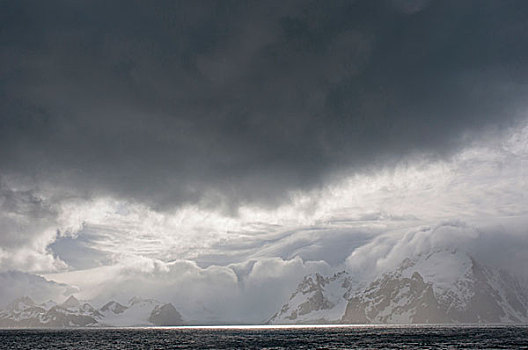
165 315
317 299
48 304
114 306
21 303
71 302
417 277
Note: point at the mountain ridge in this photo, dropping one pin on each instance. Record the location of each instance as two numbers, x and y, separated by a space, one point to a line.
444 286
25 313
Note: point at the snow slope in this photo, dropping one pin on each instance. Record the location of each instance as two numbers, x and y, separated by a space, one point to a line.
439 286
318 299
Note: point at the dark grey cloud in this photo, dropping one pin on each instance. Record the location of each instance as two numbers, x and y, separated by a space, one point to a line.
23 216
222 102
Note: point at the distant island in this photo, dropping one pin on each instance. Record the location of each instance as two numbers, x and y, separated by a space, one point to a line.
25 313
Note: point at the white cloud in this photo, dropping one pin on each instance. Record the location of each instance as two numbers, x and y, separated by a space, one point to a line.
485 180
245 292
27 227
14 284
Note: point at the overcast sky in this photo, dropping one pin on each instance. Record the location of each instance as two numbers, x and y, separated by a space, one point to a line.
221 150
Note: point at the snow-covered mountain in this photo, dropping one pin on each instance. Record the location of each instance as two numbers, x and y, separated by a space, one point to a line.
317 299
24 312
442 286
139 312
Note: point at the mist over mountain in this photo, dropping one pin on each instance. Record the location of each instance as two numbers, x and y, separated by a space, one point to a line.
439 287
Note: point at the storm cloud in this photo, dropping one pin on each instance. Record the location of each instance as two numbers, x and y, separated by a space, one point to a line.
224 103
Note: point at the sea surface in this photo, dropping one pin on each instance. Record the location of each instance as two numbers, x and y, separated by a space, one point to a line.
349 337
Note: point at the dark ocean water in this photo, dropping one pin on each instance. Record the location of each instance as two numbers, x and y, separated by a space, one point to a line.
270 338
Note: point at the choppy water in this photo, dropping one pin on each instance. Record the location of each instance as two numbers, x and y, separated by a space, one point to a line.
270 338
